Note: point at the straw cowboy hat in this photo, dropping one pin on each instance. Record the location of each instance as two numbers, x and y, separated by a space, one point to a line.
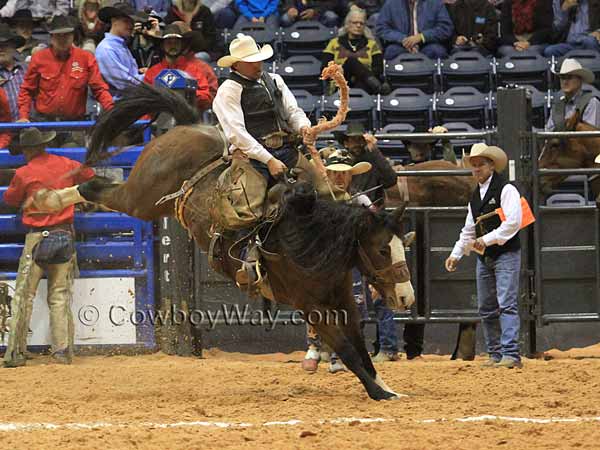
496 154
341 161
571 66
244 48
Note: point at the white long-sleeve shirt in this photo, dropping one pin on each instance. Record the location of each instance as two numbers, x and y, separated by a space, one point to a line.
510 202
227 106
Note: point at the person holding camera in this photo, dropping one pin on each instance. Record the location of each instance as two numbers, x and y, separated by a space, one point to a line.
49 246
146 43
117 65
475 26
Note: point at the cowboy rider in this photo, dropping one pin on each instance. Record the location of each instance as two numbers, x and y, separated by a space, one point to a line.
259 114
572 76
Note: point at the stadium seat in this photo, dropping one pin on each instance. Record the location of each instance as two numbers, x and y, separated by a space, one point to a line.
528 68
466 69
591 89
463 104
361 106
308 103
565 200
222 73
394 148
306 38
411 70
301 72
539 106
259 31
407 105
590 59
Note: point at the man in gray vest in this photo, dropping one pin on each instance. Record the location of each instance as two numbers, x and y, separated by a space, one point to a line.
572 76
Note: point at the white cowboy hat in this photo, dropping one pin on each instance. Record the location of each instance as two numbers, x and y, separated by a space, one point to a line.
571 66
244 48
492 152
597 160
337 161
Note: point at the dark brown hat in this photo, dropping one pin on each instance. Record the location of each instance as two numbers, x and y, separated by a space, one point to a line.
61 24
32 137
121 10
6 35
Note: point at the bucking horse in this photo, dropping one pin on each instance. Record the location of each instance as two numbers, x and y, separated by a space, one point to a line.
310 246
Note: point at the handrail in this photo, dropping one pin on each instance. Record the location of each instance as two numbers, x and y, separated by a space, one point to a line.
67 125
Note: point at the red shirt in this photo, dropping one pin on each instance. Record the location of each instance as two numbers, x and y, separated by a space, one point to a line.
59 87
202 72
50 172
5 116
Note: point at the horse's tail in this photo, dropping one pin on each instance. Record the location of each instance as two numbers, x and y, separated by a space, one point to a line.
136 101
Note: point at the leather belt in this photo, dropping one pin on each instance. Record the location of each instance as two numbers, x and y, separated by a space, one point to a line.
46 230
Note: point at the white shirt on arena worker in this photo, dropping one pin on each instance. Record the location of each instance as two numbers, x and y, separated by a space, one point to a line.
227 107
510 202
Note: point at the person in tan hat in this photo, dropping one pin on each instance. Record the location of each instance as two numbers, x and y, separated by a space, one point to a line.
258 113
48 248
572 75
499 253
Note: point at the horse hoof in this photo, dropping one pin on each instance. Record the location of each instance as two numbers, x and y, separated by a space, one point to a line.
310 365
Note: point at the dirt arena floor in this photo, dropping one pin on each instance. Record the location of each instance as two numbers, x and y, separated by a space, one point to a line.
227 401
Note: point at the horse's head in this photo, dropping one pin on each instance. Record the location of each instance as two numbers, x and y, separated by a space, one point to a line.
562 153
382 261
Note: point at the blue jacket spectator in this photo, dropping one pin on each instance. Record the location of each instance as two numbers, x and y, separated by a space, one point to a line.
117 64
253 11
402 32
577 24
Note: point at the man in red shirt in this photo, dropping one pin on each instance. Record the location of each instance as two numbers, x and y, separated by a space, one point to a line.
49 246
58 77
175 45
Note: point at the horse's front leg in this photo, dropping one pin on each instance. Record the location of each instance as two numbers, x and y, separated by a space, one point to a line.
336 337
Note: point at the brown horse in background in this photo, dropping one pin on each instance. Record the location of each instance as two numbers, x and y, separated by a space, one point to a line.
312 244
570 153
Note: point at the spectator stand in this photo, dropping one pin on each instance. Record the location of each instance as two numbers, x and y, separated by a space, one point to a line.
113 301
307 37
394 149
301 72
464 104
407 105
361 107
411 70
525 68
466 69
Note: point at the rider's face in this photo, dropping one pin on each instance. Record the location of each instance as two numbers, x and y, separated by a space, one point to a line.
340 179
570 84
251 70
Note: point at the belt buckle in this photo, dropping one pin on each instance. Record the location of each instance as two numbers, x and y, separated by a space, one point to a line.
45 233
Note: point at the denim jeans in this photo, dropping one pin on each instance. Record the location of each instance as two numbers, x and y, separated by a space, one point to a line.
387 334
585 42
497 298
432 51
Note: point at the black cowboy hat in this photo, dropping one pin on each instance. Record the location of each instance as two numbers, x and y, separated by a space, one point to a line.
354 129
173 31
6 35
121 10
32 137
61 24
23 14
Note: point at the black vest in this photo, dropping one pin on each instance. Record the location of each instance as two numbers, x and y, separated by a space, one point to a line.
559 107
262 106
483 206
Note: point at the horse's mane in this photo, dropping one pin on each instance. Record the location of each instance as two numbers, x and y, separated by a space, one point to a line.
136 101
321 236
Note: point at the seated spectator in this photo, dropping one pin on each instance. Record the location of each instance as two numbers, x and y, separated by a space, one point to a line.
357 51
295 10
117 64
224 12
146 43
22 24
58 77
475 26
175 46
40 9
411 26
572 99
199 18
159 6
5 116
525 25
577 25
12 71
258 11
91 29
